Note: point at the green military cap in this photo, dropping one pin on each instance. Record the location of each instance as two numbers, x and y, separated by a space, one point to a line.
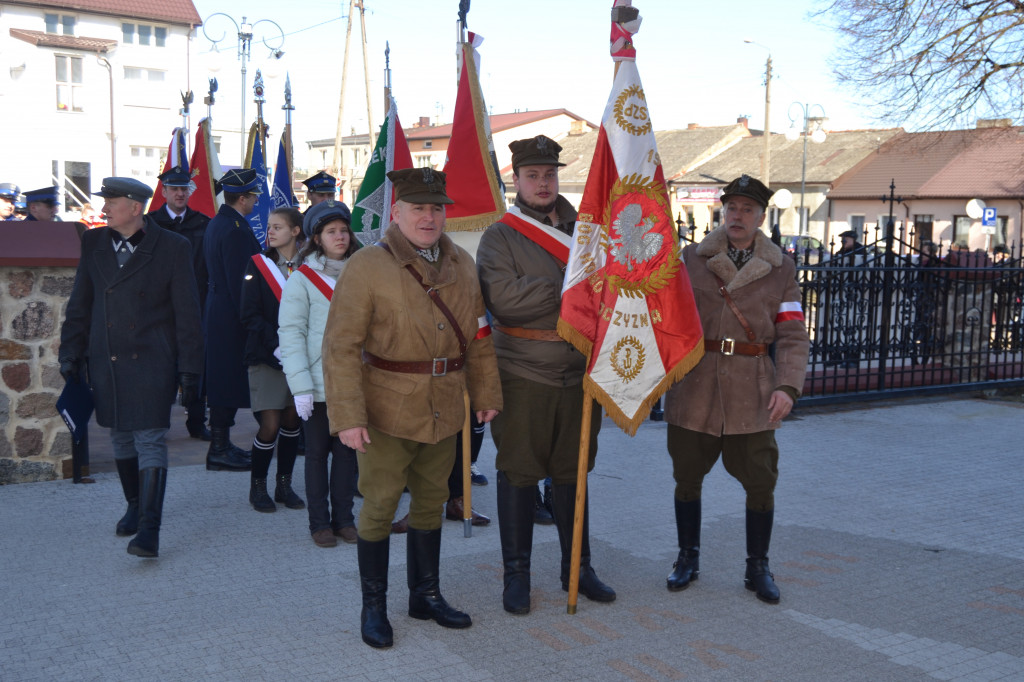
535 151
746 186
420 186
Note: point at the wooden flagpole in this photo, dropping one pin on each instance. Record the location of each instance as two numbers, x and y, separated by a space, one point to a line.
467 488
581 496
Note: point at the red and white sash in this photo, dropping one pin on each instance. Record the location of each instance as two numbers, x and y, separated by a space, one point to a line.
322 282
548 238
271 274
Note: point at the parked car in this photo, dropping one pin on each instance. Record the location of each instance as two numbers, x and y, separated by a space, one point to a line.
806 250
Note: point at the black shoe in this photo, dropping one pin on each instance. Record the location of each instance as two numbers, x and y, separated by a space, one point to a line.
515 524
564 507
223 456
258 497
199 432
284 494
425 601
152 484
759 535
373 578
686 569
128 473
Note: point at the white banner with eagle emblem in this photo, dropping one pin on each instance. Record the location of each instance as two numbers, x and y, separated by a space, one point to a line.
626 300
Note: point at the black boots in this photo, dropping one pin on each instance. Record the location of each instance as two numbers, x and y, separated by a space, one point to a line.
542 514
759 535
563 505
373 577
284 494
287 450
128 472
258 497
515 523
687 566
153 482
223 455
423 558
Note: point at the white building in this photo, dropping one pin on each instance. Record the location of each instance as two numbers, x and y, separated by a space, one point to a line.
87 91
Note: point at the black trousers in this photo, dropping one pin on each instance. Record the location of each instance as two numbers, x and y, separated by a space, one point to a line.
331 486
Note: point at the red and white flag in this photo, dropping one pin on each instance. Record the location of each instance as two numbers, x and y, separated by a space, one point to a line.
177 157
626 301
205 171
472 169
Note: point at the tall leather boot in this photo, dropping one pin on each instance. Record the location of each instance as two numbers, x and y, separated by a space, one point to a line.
564 508
423 559
515 523
686 569
759 535
373 577
128 472
153 482
222 455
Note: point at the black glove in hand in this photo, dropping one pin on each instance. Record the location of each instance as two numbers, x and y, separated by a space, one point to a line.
71 370
189 388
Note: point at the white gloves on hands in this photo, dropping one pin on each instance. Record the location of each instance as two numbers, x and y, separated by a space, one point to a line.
304 406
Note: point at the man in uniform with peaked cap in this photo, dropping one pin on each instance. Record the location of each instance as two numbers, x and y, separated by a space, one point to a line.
42 204
132 330
8 196
737 395
538 434
228 245
320 187
406 335
177 216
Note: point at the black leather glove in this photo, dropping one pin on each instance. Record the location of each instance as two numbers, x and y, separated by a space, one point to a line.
71 369
189 388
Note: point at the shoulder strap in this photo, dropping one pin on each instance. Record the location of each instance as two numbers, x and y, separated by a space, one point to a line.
548 238
318 280
271 274
736 311
436 298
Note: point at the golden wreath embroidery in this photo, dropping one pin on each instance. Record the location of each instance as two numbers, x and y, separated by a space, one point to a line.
628 357
633 110
660 278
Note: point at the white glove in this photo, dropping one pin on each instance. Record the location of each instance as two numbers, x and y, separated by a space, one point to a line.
277 353
304 405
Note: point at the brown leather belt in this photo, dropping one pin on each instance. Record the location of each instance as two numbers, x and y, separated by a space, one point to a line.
734 347
437 367
533 334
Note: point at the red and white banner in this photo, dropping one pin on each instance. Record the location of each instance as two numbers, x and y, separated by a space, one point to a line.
472 169
626 301
177 157
205 170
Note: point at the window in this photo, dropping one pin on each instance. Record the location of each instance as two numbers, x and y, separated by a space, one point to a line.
69 83
961 228
857 223
147 162
428 144
423 161
356 155
135 73
59 24
143 34
923 228
1000 236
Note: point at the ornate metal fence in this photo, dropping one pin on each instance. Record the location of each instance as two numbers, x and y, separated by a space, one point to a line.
888 319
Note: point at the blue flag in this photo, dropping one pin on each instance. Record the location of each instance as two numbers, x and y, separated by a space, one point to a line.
282 193
261 212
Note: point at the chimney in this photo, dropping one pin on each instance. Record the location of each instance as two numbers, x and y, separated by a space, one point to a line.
994 123
743 121
692 126
424 122
577 127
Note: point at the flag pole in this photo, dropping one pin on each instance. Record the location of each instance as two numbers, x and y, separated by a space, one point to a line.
581 496
288 109
467 487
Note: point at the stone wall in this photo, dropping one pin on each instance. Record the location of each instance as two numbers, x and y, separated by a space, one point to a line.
35 444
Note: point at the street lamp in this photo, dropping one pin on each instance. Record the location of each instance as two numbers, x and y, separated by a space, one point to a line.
766 157
245 33
817 136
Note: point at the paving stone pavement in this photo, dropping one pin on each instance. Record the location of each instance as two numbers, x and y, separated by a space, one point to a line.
898 549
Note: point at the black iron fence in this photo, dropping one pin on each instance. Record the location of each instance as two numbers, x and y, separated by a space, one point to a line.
889 318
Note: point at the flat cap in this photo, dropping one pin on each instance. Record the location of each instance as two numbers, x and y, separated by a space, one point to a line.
849 233
47 194
535 151
239 181
420 186
125 187
322 183
325 212
746 186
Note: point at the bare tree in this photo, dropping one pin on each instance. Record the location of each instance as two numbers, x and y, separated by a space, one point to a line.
931 63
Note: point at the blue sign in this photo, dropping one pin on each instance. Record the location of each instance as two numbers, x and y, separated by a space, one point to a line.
988 217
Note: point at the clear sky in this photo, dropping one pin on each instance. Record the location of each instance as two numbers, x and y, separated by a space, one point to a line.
537 54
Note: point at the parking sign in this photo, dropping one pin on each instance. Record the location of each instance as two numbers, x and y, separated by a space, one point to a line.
988 220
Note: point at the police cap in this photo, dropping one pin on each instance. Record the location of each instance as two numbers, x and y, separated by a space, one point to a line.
46 195
176 177
321 183
8 190
325 212
239 181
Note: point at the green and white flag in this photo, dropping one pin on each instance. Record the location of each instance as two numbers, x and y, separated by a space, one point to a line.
372 211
